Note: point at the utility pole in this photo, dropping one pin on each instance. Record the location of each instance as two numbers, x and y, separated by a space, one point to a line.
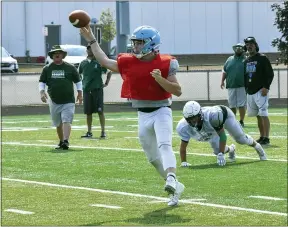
122 25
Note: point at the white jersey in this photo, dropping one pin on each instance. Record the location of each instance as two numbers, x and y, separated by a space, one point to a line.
213 120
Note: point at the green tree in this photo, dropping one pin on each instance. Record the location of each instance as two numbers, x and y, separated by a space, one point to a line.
281 21
108 25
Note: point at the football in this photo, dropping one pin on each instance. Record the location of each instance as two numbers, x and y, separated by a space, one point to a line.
79 18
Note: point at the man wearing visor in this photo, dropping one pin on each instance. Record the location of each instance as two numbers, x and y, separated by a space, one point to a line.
208 124
233 73
258 78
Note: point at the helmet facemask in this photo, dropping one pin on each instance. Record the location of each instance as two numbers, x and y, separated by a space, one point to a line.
147 47
195 121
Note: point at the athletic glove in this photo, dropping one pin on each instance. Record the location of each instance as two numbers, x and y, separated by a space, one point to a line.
185 164
221 159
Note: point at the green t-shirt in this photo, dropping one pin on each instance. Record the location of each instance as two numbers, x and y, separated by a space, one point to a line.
91 72
59 79
234 69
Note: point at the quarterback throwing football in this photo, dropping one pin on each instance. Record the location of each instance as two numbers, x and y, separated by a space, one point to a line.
149 80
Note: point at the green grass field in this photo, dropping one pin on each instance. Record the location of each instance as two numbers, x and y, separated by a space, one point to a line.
109 182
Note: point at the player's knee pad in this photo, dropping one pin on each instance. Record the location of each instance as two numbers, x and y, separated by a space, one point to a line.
168 156
245 139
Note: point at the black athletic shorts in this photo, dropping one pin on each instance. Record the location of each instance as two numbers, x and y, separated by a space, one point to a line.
93 101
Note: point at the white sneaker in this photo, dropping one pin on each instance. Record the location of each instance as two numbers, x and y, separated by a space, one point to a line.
185 164
174 199
232 156
260 151
170 185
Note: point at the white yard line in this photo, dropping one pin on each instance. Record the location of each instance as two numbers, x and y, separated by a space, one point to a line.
85 126
147 196
271 123
265 197
19 211
183 200
136 137
16 122
97 128
117 118
105 206
126 149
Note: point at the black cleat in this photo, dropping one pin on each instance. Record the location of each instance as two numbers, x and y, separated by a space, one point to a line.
260 139
65 145
265 141
103 135
88 135
59 145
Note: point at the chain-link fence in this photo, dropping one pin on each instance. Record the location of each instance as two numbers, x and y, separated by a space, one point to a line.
22 88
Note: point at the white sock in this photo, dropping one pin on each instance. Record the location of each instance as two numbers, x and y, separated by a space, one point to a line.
172 175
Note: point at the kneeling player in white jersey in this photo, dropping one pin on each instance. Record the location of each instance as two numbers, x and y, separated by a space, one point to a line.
208 124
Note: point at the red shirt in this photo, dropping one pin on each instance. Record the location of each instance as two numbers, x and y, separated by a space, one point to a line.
138 83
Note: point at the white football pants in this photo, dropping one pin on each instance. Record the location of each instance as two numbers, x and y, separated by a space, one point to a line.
235 130
155 136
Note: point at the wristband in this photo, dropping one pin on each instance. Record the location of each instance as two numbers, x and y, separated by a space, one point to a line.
93 41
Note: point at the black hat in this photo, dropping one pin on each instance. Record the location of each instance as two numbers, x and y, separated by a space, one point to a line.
251 39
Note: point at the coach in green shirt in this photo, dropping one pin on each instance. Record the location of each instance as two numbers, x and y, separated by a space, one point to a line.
59 77
91 72
233 73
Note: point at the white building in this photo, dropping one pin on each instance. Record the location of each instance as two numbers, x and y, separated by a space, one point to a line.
185 27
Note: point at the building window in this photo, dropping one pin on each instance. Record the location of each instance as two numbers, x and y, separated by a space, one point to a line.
99 35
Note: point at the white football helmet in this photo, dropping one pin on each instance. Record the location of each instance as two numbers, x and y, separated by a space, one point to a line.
192 113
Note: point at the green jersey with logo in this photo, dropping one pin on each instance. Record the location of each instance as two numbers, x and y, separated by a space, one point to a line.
234 69
59 79
91 72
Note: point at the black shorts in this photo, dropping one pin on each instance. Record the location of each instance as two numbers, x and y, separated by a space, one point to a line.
93 101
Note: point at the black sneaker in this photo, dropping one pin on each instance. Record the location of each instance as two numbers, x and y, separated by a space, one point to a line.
265 141
87 135
59 145
65 145
103 135
241 123
260 139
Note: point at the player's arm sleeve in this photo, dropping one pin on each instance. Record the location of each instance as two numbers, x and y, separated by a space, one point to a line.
217 119
185 137
268 73
174 67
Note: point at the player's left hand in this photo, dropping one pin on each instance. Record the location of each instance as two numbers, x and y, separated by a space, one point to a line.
156 73
264 91
221 159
